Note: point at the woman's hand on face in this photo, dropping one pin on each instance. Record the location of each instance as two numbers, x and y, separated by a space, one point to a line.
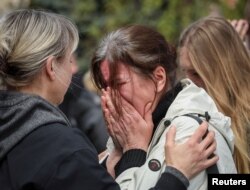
110 121
194 155
130 129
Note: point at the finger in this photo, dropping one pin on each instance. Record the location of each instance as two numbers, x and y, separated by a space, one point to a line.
244 30
200 132
106 116
111 106
209 152
126 118
238 26
115 133
117 126
110 130
128 108
241 28
210 162
170 136
103 99
110 122
234 23
124 126
129 112
209 139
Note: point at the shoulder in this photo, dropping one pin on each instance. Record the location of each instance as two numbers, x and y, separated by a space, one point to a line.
58 135
40 153
57 157
50 143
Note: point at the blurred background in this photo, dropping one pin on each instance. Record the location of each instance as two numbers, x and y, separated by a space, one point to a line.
95 18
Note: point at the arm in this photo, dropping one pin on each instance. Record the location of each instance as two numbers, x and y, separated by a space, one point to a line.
129 164
197 151
185 129
130 132
81 170
185 160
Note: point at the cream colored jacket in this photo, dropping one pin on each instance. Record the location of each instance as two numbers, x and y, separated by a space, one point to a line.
191 99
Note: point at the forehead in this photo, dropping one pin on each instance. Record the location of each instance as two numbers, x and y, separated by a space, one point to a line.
105 70
122 69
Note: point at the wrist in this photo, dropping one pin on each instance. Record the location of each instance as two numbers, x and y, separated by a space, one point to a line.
178 174
180 170
135 146
131 158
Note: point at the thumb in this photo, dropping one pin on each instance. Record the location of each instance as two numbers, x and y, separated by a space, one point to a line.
170 136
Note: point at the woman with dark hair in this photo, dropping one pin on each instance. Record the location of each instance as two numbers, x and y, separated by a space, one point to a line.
135 68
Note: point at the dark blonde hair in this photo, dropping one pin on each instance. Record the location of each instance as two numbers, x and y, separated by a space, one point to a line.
219 57
27 39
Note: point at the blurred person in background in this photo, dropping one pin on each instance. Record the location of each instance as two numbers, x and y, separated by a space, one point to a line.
83 110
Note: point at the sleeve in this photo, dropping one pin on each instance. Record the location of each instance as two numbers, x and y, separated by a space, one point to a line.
142 177
81 170
172 179
186 126
131 158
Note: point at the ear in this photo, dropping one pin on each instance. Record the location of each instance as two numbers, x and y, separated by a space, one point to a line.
160 78
50 67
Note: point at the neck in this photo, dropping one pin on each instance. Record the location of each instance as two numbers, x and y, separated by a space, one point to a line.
37 87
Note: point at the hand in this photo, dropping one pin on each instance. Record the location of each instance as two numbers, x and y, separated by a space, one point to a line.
193 156
110 121
130 129
112 160
241 26
102 155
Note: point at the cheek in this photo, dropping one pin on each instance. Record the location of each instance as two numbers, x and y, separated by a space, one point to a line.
196 80
126 92
141 98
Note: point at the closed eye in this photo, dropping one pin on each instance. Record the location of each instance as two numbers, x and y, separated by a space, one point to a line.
121 82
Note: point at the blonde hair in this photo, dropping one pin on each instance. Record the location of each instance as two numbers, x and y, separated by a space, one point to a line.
223 63
27 39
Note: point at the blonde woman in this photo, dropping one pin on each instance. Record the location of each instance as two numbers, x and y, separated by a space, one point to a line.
213 56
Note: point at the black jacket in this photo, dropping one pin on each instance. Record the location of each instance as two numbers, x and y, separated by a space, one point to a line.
84 112
39 151
54 157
